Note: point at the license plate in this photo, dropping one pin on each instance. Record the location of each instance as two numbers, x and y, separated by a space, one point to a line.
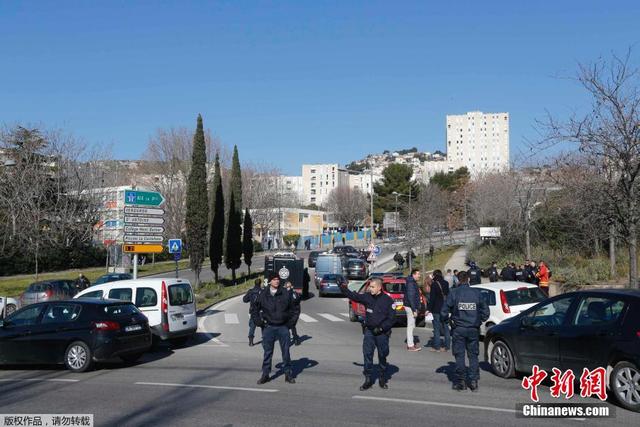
132 328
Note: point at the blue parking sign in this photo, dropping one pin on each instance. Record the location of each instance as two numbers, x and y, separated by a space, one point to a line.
175 246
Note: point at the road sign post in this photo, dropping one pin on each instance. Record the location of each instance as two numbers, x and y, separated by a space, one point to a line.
175 248
143 224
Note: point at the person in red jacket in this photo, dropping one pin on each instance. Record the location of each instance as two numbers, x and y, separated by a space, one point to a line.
543 276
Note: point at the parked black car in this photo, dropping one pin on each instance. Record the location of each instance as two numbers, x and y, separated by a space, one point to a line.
112 277
357 269
585 329
344 250
330 284
75 333
313 257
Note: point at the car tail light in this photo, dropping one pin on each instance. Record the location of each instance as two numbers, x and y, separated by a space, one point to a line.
164 308
503 301
49 293
106 326
638 334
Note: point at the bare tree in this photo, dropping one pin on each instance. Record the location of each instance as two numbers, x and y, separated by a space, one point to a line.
349 206
608 137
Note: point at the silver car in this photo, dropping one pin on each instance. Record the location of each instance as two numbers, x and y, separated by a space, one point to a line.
49 290
8 306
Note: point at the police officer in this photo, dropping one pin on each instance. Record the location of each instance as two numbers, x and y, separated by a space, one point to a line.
250 297
468 311
377 326
295 338
492 272
275 311
474 274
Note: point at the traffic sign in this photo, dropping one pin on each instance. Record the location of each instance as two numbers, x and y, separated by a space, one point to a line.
177 256
175 246
146 198
142 249
139 238
377 250
143 220
143 229
143 211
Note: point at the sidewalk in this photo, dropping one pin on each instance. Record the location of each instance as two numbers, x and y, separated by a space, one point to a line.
456 262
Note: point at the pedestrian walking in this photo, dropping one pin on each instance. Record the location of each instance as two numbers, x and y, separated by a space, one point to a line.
344 240
431 251
474 273
379 319
250 298
468 310
275 311
411 304
492 272
295 338
437 297
399 259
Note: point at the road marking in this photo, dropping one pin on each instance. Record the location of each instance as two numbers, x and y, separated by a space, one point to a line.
330 317
424 402
231 319
52 380
215 387
344 314
306 318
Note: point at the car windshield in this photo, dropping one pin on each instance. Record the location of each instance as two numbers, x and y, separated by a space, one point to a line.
180 294
394 288
39 287
523 296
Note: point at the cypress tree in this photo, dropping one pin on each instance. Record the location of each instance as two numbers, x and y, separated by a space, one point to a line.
247 239
216 236
236 180
197 203
233 249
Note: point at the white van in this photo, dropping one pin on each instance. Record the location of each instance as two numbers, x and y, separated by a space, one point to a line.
168 304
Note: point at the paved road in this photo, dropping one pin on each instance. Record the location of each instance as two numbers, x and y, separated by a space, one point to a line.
213 382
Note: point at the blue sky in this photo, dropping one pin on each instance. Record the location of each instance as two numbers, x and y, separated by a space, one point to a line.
294 82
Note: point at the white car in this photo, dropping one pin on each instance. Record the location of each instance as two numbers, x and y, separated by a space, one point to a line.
8 306
507 299
168 304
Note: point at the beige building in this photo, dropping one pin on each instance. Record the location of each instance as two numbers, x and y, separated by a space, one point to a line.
478 141
318 180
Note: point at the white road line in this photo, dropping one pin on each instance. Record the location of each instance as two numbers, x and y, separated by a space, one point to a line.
428 403
52 380
330 317
344 314
215 387
306 318
231 319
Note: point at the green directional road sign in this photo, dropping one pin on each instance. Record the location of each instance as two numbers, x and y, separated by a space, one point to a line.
146 198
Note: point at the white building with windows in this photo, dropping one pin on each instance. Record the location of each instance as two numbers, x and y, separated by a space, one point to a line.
363 181
479 141
319 179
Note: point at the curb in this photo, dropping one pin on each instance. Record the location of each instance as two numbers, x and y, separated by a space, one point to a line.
203 310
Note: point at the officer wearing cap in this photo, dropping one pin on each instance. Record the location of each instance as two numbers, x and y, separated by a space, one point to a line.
377 326
468 311
276 311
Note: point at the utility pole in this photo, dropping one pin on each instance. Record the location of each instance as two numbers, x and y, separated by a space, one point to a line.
371 197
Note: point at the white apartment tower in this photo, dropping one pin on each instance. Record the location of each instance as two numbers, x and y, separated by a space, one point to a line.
478 141
318 181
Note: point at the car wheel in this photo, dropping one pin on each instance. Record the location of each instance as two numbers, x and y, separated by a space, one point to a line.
78 357
625 384
352 314
9 310
502 360
131 358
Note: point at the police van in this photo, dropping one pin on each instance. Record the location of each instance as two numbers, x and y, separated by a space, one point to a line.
289 268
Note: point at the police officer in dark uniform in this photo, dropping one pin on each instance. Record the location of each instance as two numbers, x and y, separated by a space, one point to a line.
377 326
276 312
468 311
492 272
474 274
250 297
